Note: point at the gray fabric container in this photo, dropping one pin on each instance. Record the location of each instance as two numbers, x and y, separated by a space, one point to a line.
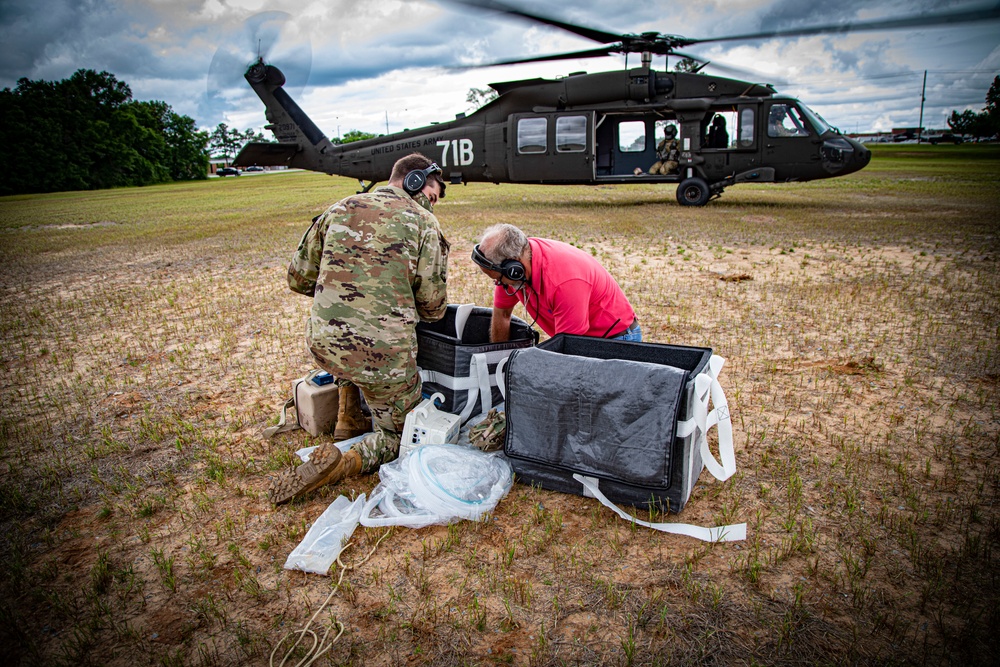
606 409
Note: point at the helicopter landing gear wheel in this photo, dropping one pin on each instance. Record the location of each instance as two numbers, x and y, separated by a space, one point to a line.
693 192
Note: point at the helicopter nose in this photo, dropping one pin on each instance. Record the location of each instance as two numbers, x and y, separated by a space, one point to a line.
842 155
862 154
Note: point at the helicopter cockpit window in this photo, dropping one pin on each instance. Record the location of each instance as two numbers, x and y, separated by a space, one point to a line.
632 136
820 125
531 135
571 134
785 120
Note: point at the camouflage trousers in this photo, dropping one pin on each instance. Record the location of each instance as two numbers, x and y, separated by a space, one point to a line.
389 404
663 167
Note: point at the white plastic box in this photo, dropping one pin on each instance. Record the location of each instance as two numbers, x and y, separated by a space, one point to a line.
426 425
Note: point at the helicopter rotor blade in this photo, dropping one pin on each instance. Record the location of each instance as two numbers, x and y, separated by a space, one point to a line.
265 35
583 31
732 70
662 44
591 53
926 20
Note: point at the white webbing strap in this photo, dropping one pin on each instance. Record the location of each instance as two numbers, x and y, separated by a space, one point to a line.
449 381
480 369
479 382
501 382
730 533
469 381
706 386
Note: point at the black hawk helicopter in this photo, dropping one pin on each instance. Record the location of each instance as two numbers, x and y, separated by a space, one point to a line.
601 128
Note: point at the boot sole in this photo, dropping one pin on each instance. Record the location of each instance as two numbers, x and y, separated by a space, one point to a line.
311 475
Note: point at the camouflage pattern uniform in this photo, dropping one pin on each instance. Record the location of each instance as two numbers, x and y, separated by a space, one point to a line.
666 156
375 264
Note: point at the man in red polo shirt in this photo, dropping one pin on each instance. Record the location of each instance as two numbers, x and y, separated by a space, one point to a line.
562 287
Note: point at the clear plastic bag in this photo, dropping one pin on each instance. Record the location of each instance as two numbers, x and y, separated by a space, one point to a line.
325 539
437 484
343 446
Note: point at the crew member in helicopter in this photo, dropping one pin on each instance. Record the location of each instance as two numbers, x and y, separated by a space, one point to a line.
562 287
776 120
718 137
666 153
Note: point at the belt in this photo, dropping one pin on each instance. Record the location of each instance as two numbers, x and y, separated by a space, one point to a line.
631 327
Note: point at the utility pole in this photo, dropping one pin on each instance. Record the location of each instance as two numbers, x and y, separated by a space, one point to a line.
920 125
387 120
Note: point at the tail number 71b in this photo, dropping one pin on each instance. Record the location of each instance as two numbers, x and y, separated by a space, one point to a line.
461 152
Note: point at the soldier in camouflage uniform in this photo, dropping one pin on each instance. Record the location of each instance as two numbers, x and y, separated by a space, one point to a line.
666 153
375 265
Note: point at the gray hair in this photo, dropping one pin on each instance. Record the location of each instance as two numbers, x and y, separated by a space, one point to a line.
503 241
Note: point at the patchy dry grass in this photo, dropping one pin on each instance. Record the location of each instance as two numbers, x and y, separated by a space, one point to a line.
148 337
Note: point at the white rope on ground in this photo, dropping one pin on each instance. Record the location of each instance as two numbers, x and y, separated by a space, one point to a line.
319 645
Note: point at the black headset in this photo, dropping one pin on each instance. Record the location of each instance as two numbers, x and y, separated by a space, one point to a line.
415 180
511 269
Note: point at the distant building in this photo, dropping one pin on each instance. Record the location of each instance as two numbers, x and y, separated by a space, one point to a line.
871 137
215 164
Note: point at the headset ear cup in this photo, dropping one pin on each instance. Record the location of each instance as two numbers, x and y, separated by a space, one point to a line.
512 270
415 181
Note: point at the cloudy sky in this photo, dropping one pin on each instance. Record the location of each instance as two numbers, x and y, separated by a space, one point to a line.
385 64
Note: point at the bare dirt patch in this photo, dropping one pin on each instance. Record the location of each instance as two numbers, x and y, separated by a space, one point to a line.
862 378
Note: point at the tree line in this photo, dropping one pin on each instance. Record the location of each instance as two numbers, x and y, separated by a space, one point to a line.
983 124
87 133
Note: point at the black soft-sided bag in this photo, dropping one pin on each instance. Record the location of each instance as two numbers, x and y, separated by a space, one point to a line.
457 359
617 412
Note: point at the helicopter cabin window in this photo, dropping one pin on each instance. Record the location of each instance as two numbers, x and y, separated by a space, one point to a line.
571 134
531 135
632 136
660 129
785 120
715 129
745 139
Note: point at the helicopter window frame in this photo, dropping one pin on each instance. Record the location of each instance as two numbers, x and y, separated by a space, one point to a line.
571 134
745 137
532 129
634 146
818 122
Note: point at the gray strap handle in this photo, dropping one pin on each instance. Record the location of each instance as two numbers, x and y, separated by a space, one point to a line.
272 431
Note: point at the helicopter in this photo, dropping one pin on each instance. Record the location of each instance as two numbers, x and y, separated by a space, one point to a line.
600 128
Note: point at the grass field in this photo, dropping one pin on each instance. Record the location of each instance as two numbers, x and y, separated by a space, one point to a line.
148 337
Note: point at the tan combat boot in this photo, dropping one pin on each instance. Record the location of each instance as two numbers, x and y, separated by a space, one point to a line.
351 421
326 465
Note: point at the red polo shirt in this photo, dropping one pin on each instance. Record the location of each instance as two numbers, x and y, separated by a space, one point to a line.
570 292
